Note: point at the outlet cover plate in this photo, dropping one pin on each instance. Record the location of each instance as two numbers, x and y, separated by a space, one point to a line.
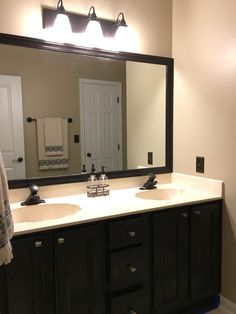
200 161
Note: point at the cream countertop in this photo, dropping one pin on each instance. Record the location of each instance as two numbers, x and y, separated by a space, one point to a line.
120 202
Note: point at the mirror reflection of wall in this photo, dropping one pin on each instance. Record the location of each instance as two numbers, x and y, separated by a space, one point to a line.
146 115
50 88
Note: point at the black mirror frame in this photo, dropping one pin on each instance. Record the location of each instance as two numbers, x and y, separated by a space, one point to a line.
67 48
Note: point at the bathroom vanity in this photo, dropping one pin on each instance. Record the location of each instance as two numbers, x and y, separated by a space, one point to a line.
132 252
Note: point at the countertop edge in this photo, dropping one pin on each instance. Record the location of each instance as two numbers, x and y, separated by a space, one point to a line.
96 218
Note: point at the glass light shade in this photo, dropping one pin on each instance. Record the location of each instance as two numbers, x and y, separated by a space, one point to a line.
93 33
62 28
122 40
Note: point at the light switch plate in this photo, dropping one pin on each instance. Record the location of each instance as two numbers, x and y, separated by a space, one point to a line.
150 158
200 164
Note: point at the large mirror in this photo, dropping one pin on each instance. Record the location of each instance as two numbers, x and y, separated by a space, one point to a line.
114 110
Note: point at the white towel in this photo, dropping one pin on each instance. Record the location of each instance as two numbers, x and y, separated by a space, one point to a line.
6 222
53 136
52 161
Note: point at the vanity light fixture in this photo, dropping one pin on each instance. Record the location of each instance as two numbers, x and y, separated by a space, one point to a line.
122 39
121 25
89 26
93 30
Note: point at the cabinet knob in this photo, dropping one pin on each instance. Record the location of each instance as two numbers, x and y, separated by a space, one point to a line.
197 212
132 234
184 215
131 311
60 240
38 243
132 269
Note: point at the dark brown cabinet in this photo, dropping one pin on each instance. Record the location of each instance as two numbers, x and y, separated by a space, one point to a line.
130 265
72 280
205 235
159 262
128 232
186 260
27 283
134 302
80 271
170 260
3 291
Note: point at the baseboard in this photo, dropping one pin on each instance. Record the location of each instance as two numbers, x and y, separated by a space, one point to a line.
227 305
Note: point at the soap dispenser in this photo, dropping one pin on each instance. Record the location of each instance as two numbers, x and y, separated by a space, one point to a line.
103 183
92 183
83 171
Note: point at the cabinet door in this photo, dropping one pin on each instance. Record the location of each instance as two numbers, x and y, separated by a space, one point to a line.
171 257
3 291
79 271
205 250
28 277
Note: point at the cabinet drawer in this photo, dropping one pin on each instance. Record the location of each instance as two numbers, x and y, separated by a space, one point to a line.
128 232
129 267
137 302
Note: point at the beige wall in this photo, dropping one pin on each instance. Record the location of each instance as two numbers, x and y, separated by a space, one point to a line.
204 48
150 23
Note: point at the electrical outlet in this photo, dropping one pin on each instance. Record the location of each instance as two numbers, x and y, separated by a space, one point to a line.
150 158
200 164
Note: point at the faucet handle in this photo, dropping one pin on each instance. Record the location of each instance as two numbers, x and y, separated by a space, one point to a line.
33 189
151 176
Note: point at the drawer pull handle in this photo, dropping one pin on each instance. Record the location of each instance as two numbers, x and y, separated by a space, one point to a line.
184 215
132 234
60 240
197 212
132 269
38 243
131 311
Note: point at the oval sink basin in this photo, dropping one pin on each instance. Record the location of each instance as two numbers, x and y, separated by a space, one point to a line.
43 212
163 194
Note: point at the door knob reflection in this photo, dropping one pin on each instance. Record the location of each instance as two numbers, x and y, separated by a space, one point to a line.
19 159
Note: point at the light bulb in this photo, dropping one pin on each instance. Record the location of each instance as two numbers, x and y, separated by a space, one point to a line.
62 28
94 35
